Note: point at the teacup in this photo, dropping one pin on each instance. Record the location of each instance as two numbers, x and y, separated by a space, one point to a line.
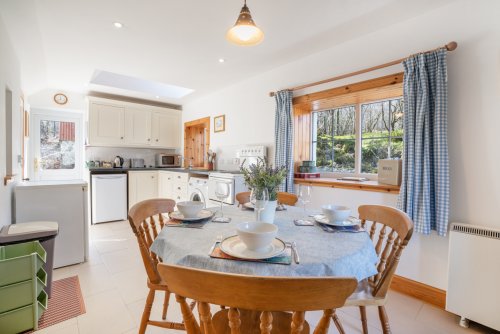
336 213
257 236
190 209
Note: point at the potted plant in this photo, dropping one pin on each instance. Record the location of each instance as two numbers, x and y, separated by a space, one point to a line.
262 175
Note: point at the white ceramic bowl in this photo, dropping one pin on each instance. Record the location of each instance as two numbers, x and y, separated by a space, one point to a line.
257 236
190 209
336 213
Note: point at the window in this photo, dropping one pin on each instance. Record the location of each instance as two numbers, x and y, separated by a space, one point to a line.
352 138
382 132
334 139
57 145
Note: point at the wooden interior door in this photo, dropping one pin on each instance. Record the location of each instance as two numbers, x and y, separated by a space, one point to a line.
196 142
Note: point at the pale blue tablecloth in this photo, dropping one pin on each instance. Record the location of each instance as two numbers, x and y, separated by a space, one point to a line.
321 253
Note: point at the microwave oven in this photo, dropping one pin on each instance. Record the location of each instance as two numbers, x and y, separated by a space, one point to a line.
168 160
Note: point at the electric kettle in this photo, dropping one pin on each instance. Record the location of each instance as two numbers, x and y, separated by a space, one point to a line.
118 162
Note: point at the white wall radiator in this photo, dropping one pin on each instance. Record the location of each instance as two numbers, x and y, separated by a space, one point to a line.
474 274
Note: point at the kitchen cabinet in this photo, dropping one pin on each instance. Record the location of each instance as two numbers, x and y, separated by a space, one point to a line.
106 124
142 185
137 127
124 124
174 185
166 129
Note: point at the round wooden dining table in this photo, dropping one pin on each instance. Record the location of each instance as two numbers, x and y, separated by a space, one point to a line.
339 254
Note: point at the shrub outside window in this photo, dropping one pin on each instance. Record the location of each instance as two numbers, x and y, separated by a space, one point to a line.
351 139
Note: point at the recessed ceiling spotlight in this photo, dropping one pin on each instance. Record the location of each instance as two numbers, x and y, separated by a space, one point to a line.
221 60
157 97
117 25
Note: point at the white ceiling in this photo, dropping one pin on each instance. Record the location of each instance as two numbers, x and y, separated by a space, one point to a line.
60 43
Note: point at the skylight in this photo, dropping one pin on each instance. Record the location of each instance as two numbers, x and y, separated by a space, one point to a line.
126 82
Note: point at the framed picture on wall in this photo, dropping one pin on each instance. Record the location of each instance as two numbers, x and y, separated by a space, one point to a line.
220 123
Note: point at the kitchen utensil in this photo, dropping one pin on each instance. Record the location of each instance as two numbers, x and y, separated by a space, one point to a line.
137 163
217 240
190 209
257 236
336 213
235 247
203 214
118 161
295 252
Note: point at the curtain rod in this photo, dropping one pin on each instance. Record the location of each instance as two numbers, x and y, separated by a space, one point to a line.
449 47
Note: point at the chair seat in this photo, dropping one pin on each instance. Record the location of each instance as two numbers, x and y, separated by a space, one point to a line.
250 322
363 296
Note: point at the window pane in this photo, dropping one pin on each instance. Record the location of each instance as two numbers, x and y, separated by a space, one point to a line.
344 155
57 141
334 132
371 151
397 108
396 147
375 119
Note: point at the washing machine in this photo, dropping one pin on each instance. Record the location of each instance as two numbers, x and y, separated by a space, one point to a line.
198 190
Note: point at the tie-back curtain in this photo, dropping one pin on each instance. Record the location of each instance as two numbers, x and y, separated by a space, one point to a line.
424 193
284 136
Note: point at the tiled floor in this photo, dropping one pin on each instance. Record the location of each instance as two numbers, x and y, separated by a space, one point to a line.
113 283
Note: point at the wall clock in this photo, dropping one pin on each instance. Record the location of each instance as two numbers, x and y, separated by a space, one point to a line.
60 98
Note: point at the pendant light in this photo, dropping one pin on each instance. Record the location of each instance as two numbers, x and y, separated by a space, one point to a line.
244 31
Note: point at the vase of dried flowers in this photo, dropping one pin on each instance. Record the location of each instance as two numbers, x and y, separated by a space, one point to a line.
263 175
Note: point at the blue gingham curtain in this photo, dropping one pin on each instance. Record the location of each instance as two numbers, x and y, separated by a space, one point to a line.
283 134
424 193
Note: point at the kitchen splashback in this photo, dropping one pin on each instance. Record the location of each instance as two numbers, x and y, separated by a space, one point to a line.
109 153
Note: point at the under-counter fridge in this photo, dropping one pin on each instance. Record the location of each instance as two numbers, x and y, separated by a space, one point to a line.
64 202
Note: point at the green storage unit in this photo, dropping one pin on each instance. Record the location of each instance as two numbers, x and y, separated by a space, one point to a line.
24 318
20 262
20 294
22 283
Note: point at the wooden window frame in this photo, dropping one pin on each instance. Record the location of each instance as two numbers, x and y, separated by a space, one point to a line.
382 88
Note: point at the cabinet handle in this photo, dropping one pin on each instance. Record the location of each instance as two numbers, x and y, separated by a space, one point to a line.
179 177
149 139
152 177
121 137
179 188
156 139
178 197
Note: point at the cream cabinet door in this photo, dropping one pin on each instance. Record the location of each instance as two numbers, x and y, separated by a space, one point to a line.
165 185
106 126
142 185
166 129
137 127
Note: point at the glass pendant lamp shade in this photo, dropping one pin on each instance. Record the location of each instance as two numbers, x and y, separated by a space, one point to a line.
244 31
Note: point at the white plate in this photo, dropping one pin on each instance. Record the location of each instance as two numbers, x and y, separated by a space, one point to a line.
235 247
203 214
351 221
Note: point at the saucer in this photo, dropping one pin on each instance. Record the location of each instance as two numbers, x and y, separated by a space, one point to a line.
351 221
235 247
203 214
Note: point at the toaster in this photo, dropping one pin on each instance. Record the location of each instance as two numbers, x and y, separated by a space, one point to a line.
136 163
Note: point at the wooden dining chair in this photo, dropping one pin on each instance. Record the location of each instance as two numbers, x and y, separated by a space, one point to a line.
243 197
146 220
287 198
255 304
390 229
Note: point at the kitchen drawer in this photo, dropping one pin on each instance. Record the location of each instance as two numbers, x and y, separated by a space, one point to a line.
180 177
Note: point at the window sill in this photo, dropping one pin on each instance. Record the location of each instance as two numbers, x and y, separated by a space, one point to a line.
353 185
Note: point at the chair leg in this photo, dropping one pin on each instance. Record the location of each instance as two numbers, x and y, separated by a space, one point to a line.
337 322
364 323
147 311
165 305
384 320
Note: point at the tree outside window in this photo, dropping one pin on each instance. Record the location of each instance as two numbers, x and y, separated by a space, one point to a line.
336 136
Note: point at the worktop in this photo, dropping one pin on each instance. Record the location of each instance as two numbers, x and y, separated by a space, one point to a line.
100 170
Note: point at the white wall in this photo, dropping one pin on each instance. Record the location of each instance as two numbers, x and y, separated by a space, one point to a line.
474 89
9 78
